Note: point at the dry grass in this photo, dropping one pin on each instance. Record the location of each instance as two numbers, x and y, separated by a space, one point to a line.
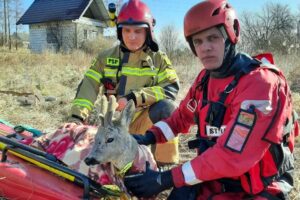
58 75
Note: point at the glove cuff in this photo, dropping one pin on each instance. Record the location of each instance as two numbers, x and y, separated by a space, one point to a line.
167 179
131 96
150 137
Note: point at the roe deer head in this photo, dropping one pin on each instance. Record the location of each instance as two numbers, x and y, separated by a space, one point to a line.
113 143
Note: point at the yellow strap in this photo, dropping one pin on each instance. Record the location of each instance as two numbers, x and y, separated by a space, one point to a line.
125 169
112 189
41 165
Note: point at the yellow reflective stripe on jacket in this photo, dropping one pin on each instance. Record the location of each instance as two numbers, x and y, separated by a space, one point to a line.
157 90
133 71
84 103
110 72
167 74
93 75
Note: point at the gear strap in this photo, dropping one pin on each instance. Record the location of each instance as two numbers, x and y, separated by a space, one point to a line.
216 112
121 81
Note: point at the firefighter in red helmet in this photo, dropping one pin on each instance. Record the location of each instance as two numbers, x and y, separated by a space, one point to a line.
243 111
133 70
137 13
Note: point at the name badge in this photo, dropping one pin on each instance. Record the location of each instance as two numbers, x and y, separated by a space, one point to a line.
213 131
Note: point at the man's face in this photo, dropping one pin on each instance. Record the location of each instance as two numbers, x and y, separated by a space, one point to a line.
134 37
210 45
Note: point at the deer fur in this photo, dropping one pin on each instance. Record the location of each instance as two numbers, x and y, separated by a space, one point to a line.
113 143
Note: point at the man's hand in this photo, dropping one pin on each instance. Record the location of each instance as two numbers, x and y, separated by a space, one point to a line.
149 183
146 139
121 104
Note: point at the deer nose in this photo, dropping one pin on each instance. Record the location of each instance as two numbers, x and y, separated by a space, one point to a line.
90 161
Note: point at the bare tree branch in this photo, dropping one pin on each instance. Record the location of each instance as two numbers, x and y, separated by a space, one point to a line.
270 29
169 40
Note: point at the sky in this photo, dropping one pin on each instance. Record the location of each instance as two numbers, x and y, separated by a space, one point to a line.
173 11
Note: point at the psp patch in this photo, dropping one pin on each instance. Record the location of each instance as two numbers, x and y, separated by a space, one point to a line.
241 130
113 61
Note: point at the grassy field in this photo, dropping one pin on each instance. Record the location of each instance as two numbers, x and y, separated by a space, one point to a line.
48 81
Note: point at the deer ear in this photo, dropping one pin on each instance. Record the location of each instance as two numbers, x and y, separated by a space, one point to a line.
112 104
127 113
103 109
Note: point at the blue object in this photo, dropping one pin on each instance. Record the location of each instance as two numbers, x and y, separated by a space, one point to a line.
34 131
2 121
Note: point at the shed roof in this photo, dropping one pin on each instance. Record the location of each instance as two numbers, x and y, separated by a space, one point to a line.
57 10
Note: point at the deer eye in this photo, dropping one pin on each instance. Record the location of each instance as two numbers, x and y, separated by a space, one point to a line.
109 140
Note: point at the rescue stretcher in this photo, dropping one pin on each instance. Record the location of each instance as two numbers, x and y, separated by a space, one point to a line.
29 173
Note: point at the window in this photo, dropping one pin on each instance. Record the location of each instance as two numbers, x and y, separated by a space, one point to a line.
52 35
93 34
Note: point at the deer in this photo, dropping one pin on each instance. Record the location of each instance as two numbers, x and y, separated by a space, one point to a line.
114 144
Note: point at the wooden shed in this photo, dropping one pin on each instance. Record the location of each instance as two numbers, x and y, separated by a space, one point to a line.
62 25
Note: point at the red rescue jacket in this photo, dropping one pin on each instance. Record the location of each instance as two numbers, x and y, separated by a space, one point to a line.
253 140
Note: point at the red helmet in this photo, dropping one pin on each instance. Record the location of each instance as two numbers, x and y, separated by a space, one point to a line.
135 12
208 14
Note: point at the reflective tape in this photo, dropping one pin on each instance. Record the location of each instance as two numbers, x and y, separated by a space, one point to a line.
168 74
110 72
166 130
158 92
84 103
189 174
133 71
93 75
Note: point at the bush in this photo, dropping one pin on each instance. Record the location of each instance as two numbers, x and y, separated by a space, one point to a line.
97 45
295 80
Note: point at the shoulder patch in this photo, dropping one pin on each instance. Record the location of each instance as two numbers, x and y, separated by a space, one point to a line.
94 61
113 61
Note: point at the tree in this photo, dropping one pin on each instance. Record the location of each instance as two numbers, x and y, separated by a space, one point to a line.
169 40
1 24
10 13
272 29
17 15
5 20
